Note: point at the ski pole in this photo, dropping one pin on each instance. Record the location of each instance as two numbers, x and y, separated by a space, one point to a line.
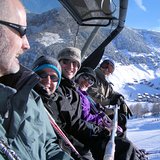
60 133
9 154
110 147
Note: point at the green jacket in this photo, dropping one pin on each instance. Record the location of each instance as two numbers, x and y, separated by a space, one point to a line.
27 129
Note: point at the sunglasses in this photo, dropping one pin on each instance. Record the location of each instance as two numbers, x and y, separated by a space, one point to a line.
88 78
68 61
20 29
54 78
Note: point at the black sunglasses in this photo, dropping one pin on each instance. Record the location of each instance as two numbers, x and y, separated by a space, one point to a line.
67 61
20 29
54 78
88 78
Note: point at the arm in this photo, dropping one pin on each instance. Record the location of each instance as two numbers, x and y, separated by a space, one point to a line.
52 148
97 93
75 126
86 111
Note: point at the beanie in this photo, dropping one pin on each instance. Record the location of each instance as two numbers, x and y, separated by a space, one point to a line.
87 70
71 53
47 62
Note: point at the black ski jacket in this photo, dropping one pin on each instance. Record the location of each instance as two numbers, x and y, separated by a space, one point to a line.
65 107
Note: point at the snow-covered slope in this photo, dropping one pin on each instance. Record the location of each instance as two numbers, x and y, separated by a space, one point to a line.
145 134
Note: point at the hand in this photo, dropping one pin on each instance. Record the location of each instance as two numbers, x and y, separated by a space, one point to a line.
116 99
125 110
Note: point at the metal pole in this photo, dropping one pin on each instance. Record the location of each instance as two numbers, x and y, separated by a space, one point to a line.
89 41
110 147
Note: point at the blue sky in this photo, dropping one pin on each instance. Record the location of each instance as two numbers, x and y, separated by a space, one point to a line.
144 14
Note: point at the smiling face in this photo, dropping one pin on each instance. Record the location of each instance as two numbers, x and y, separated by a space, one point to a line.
12 44
49 79
69 68
85 81
108 70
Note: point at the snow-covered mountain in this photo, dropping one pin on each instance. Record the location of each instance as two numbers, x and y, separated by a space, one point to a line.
135 52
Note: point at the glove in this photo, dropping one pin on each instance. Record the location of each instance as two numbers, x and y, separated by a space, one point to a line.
124 109
116 98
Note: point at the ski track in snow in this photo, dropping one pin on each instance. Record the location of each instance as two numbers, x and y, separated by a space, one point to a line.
145 134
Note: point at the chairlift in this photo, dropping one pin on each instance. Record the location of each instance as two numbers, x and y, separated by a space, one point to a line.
110 14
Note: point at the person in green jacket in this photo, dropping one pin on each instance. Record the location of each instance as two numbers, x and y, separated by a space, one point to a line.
25 129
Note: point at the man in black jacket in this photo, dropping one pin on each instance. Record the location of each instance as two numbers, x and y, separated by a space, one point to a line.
65 107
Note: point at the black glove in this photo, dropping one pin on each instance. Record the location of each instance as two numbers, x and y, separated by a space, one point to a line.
124 109
116 98
119 99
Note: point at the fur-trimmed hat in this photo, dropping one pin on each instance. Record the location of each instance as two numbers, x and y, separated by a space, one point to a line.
48 62
70 53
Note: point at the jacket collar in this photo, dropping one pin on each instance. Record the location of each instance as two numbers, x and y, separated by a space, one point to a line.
100 74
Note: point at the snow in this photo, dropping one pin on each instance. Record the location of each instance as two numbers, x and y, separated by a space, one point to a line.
145 134
133 79
48 39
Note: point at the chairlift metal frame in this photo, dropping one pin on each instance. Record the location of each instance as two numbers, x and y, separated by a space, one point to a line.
97 13
123 5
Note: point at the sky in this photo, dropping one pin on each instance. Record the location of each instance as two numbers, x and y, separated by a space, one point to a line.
143 14
145 134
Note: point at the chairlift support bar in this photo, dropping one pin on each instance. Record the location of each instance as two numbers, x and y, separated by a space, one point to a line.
100 50
73 7
89 41
110 147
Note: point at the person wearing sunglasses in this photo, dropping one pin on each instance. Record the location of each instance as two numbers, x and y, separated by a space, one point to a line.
102 89
102 92
25 129
91 111
89 139
49 71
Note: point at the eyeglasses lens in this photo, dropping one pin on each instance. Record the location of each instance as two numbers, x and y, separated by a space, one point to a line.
54 78
68 61
20 29
89 79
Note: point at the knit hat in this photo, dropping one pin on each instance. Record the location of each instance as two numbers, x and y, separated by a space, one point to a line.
47 62
87 70
106 62
71 53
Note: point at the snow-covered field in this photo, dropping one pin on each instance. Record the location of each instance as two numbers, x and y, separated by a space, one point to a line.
145 134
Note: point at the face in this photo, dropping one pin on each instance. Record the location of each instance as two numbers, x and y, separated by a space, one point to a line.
49 79
85 81
12 44
69 68
109 70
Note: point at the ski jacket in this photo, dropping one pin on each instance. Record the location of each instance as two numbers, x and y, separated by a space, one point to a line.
96 118
24 124
102 90
65 107
79 128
